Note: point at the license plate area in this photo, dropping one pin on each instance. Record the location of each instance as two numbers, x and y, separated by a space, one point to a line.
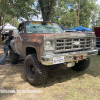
58 60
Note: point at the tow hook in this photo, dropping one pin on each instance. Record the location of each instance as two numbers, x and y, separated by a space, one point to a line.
77 60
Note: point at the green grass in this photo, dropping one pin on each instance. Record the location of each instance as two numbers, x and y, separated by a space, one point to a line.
62 83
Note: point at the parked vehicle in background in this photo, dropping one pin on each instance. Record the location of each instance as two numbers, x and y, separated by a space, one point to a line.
42 44
97 33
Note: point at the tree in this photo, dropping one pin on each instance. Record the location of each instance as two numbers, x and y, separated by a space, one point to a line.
69 20
98 21
46 8
78 13
58 11
8 19
95 16
86 9
17 8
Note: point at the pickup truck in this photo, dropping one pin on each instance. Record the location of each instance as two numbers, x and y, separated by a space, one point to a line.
97 33
44 44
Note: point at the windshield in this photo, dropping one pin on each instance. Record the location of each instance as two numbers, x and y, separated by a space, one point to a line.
42 27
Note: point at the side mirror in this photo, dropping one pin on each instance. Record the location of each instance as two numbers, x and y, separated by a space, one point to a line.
16 33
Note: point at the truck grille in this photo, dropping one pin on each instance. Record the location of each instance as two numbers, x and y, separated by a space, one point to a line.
98 42
71 44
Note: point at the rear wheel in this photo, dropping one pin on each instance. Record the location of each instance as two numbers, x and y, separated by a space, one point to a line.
14 58
35 72
82 65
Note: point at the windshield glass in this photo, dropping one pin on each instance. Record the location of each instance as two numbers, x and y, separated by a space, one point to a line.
42 27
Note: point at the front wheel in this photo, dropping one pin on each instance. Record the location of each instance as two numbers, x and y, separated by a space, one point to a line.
35 72
81 65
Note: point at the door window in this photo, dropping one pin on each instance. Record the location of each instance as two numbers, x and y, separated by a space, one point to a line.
21 29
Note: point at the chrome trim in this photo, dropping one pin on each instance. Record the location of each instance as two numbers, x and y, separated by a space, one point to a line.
68 57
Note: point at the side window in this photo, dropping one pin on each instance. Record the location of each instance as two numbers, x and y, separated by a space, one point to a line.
21 29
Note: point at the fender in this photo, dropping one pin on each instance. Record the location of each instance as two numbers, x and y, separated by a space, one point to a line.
13 46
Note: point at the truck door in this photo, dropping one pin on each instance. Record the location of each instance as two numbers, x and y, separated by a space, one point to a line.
19 40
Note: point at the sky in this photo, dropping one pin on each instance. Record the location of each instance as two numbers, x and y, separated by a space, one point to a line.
98 2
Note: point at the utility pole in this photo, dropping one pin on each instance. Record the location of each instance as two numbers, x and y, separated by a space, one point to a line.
78 13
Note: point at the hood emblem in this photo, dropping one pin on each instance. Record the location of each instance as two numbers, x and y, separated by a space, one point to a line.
76 43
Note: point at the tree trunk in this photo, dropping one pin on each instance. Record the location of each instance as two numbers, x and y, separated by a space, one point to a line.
78 13
46 9
13 21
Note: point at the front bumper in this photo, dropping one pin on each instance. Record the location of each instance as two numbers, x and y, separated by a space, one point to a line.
68 57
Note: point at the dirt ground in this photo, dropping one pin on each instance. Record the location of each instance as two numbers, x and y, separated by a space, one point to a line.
62 83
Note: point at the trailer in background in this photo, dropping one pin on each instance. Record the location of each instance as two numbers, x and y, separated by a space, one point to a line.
97 33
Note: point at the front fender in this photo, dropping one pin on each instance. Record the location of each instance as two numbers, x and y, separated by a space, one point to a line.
12 46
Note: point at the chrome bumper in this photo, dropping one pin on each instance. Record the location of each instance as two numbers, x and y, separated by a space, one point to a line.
68 57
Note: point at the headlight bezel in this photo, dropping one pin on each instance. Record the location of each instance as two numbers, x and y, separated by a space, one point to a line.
49 44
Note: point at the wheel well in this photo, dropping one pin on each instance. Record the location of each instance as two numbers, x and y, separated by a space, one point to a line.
30 50
9 47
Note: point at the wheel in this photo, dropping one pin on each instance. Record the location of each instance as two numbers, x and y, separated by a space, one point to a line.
98 52
14 58
82 65
35 72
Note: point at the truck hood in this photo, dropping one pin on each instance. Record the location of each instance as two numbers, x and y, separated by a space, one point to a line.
69 34
97 31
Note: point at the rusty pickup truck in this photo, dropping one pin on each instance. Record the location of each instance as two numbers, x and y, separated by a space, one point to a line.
44 44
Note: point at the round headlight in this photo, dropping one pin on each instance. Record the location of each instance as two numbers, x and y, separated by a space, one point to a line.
47 43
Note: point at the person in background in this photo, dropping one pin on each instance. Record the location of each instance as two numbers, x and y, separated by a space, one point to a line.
6 48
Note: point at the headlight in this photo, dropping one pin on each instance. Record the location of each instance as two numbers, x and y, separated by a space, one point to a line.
49 45
93 42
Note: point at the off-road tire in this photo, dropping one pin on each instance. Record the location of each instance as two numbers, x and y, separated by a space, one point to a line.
98 52
81 65
39 73
14 58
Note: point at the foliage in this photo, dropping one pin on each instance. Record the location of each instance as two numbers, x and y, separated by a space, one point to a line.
17 8
88 10
8 19
69 20
98 22
54 10
58 11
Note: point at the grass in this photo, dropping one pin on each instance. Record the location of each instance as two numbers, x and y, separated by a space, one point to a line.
62 83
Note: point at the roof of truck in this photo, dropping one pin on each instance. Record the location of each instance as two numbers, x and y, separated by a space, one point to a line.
38 21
